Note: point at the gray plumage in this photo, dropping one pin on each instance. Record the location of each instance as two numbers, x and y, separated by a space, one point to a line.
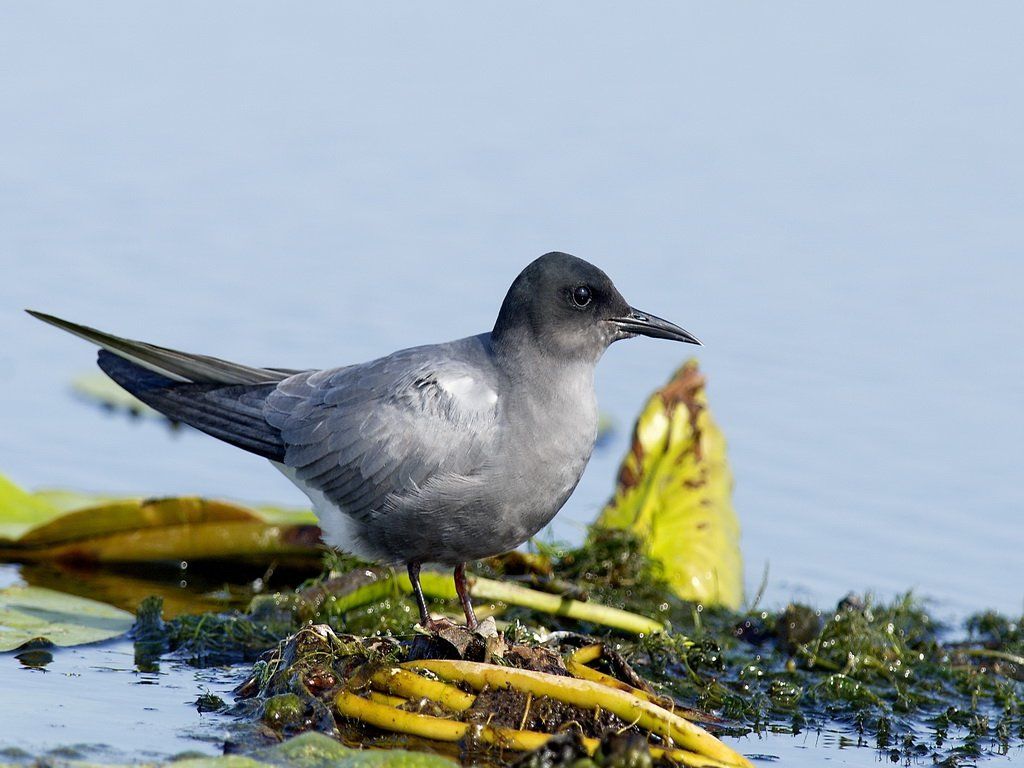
441 453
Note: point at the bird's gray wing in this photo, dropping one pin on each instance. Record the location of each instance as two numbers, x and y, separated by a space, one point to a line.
361 434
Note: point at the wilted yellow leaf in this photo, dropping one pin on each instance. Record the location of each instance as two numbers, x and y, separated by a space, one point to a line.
61 526
20 510
675 491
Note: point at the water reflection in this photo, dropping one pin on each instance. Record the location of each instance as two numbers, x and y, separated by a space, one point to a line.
34 658
207 588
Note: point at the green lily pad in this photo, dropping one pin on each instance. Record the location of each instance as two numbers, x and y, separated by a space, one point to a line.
30 614
315 750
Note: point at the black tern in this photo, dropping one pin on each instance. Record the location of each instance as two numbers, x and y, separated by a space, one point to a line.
442 453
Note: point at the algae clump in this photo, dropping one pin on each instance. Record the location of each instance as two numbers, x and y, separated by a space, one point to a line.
315 750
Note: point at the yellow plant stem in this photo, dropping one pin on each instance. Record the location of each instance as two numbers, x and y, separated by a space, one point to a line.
583 672
440 586
409 685
988 653
587 695
388 701
588 653
440 729
579 669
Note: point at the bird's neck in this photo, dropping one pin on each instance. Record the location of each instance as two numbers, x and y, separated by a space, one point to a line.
545 377
523 351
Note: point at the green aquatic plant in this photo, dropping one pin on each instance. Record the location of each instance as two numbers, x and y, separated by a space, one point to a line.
614 566
360 687
674 492
372 599
889 672
315 750
210 639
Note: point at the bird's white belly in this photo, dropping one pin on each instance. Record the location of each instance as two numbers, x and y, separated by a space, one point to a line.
337 529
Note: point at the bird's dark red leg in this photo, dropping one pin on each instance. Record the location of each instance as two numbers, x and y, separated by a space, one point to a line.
462 588
417 590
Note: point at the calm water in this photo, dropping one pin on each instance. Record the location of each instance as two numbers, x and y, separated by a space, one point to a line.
832 199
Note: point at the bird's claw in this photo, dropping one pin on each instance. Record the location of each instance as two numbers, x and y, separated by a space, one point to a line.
439 626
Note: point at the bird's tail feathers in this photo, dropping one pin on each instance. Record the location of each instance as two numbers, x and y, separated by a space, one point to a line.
169 363
230 412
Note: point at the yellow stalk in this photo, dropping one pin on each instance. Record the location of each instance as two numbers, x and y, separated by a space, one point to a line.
584 672
587 695
440 729
387 701
439 586
682 756
588 653
409 685
430 727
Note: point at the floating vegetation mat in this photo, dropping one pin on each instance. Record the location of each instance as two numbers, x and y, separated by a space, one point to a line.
547 689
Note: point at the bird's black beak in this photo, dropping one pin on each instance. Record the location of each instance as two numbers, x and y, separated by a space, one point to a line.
637 322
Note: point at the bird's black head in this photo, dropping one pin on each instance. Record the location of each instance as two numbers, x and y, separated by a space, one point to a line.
568 307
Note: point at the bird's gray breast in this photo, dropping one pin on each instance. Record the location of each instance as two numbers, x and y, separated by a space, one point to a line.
547 437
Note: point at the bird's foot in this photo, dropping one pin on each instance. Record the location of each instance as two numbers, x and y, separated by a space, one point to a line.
485 628
440 626
447 639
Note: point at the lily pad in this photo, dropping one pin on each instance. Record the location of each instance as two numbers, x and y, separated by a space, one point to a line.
20 510
675 491
34 614
315 750
54 525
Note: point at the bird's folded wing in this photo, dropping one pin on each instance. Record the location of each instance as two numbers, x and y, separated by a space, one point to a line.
361 434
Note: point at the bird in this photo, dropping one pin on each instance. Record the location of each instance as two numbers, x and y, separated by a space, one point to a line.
444 453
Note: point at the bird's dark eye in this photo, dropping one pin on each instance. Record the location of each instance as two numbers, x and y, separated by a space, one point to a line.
581 296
